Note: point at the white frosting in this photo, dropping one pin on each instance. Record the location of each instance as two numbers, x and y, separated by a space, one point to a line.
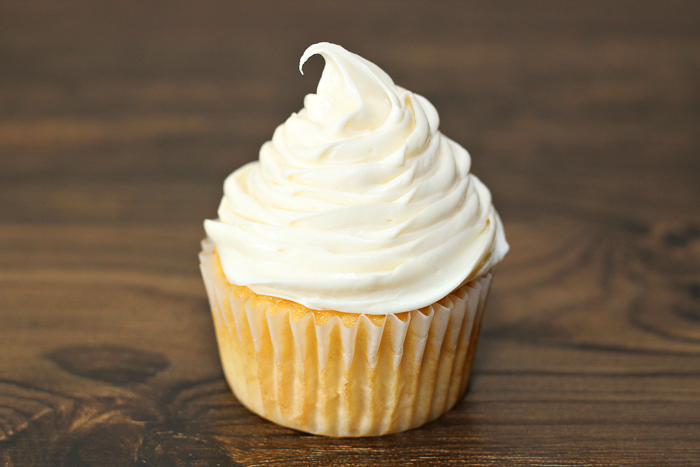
358 204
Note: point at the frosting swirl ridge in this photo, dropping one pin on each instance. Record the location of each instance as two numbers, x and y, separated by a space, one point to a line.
358 203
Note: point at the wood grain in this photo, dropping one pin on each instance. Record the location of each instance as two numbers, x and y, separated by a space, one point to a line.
120 120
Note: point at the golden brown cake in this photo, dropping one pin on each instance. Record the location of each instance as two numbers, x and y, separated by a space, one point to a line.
343 374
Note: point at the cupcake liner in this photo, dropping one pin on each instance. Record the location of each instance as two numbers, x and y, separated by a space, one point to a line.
333 380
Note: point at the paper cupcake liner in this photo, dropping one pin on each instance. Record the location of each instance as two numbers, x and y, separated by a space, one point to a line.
364 380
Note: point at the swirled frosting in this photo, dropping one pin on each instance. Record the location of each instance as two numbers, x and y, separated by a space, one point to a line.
358 204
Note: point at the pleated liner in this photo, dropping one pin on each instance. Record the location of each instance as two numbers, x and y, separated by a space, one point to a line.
364 380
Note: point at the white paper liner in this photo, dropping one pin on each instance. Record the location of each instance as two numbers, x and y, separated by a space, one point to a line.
364 380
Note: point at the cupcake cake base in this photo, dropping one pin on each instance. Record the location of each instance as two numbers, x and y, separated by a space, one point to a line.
343 374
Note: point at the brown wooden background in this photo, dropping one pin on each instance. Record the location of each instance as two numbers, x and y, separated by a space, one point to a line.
120 120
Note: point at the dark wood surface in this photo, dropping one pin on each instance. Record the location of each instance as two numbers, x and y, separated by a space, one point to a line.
120 120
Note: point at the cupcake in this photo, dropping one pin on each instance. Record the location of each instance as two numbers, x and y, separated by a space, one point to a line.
348 269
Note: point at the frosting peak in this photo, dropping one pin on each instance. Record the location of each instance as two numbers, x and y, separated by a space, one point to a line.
358 203
352 95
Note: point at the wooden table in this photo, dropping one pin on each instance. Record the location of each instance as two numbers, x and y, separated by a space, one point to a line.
120 120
